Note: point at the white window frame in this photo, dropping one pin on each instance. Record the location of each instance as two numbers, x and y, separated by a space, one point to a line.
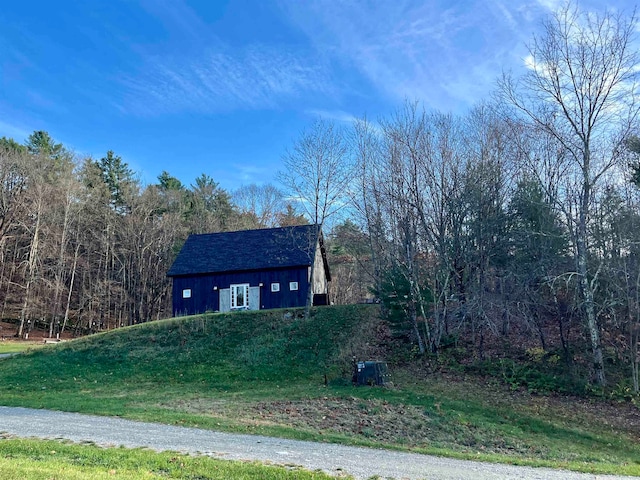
233 290
275 287
186 293
293 286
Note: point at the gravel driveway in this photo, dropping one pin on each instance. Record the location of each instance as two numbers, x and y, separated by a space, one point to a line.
362 463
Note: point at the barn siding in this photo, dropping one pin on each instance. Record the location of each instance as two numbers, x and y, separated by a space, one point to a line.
204 298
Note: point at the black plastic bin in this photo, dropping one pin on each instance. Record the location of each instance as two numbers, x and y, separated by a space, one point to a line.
371 373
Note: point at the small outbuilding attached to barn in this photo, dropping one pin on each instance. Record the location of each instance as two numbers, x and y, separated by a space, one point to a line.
250 270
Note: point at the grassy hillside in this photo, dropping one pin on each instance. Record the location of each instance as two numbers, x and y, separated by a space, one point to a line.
264 372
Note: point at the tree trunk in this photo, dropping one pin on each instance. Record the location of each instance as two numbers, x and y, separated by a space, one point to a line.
31 267
588 302
635 330
309 303
71 283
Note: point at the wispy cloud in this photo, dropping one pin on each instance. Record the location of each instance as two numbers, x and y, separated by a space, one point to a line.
339 116
257 77
411 49
447 58
206 75
250 173
551 5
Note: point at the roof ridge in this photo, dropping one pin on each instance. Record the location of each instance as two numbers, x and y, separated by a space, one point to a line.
257 229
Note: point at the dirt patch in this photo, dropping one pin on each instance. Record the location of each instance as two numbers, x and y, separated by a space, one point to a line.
374 420
370 418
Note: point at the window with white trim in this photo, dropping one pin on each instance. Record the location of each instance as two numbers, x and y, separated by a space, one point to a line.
186 293
275 287
293 286
240 296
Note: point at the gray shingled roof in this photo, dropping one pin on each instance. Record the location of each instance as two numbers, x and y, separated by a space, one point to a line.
246 250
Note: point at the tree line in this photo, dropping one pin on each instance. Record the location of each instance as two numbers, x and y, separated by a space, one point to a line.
85 246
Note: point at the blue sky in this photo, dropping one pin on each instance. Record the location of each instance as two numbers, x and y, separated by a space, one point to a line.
225 87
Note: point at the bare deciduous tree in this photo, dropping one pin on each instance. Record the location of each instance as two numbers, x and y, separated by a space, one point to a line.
316 174
581 89
262 202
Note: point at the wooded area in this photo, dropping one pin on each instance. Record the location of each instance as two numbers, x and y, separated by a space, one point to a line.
517 221
86 246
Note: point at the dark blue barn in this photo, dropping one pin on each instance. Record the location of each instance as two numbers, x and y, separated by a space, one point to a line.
250 270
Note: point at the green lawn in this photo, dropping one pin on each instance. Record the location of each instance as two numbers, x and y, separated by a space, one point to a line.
9 346
46 460
264 372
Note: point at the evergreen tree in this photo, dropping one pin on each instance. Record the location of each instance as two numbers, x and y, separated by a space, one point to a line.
119 179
